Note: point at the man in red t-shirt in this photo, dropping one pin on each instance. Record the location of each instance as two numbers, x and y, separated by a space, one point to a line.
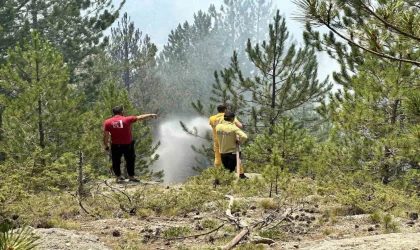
119 126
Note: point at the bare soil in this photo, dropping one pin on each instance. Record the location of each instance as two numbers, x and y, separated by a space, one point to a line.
306 227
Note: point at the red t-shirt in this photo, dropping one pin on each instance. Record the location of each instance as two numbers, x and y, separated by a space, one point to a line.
120 128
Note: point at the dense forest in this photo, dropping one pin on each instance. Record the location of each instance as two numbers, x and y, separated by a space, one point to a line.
60 76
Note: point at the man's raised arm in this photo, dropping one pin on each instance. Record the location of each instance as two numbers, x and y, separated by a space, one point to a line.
143 117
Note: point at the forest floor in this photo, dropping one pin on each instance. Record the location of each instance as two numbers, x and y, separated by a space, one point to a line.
302 227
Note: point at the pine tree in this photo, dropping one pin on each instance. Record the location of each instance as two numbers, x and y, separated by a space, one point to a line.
135 58
75 28
292 144
185 62
286 80
42 113
373 116
206 45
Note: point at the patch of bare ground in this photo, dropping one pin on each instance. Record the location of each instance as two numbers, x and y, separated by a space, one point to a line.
308 224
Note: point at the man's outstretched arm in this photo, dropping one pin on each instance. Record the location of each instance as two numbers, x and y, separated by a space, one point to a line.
143 117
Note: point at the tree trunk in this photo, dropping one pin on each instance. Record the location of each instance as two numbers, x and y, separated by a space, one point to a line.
127 64
80 188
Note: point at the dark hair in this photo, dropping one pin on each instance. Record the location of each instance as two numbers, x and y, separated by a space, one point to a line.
117 110
221 108
229 116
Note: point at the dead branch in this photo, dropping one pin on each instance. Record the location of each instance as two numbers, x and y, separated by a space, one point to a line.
283 218
236 240
237 222
79 201
118 190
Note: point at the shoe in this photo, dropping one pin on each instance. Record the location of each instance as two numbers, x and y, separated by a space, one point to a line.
216 182
134 180
120 179
243 176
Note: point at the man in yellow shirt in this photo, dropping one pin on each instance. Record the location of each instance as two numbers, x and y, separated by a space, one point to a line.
214 121
228 135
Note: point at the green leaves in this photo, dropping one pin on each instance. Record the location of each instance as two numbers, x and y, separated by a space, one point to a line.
16 239
372 28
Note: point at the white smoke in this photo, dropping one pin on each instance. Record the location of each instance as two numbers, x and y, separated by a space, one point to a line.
176 156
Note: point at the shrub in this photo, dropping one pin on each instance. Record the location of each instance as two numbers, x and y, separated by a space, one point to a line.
268 204
19 239
176 232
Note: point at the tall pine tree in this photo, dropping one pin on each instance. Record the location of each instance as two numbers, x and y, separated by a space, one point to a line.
135 58
42 114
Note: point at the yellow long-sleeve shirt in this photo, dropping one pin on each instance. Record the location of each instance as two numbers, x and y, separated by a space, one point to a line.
227 133
214 121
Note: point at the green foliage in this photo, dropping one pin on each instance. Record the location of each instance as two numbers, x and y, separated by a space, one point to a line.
362 195
276 173
46 132
209 224
250 247
375 217
285 144
134 59
205 45
274 91
176 232
272 234
60 23
268 204
375 114
389 225
364 26
16 239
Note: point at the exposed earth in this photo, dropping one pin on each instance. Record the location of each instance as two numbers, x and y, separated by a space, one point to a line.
306 227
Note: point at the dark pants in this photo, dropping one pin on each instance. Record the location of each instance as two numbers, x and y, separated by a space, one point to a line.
118 150
229 161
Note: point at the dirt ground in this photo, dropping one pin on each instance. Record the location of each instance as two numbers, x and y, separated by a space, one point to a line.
302 227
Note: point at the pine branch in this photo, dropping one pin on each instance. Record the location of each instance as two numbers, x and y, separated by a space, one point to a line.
366 49
389 25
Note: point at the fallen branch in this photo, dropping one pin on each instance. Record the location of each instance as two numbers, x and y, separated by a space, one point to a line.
238 223
284 217
235 240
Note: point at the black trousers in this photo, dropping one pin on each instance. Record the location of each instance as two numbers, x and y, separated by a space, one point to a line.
229 161
118 150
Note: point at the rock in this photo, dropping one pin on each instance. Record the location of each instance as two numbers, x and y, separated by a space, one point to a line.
393 241
62 239
260 240
412 215
197 217
116 233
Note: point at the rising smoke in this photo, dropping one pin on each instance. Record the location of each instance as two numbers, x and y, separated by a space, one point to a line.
176 156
